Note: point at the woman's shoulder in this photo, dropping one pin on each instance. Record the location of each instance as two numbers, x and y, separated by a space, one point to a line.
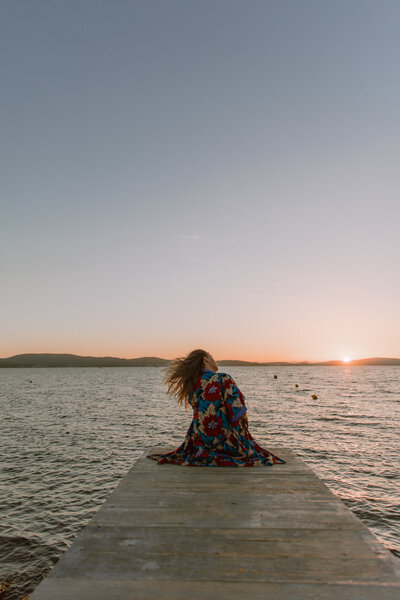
224 377
215 375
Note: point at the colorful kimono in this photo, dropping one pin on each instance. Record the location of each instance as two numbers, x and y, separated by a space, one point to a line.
217 436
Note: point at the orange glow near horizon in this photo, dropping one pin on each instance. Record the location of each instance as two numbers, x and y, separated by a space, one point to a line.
222 344
170 352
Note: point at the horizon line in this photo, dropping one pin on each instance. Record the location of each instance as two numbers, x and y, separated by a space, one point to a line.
348 362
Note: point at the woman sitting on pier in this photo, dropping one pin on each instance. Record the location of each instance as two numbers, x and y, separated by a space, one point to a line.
218 435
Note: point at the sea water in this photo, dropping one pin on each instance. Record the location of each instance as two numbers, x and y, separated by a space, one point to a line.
68 435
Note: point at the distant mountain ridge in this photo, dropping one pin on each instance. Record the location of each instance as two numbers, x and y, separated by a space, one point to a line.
330 363
74 360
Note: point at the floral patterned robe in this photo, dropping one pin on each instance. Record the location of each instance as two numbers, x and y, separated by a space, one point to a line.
217 436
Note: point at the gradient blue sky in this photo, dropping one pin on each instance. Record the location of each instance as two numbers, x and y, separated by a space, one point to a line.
221 174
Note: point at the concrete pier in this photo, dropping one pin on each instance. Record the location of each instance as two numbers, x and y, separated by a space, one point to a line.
168 532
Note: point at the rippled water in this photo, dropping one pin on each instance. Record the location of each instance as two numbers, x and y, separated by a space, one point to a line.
71 434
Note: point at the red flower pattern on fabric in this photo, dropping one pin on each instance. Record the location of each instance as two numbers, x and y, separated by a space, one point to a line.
212 425
228 384
212 391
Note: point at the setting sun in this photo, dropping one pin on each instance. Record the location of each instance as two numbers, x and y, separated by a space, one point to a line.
346 359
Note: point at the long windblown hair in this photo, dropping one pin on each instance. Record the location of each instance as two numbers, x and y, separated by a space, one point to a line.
182 374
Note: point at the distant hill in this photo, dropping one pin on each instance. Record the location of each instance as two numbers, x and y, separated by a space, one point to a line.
331 363
363 362
73 360
248 363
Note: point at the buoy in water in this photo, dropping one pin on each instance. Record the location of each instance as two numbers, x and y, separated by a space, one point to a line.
314 397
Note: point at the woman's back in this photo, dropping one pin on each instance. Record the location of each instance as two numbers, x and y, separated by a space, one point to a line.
217 403
218 434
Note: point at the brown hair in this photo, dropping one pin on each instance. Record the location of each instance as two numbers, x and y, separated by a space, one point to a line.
182 374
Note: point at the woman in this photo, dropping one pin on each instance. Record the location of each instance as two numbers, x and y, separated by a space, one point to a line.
218 435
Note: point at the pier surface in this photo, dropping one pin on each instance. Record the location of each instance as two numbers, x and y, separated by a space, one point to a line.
168 532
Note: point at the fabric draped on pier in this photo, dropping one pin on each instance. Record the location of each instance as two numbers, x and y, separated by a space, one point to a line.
218 435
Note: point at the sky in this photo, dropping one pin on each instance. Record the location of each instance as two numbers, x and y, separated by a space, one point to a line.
178 174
